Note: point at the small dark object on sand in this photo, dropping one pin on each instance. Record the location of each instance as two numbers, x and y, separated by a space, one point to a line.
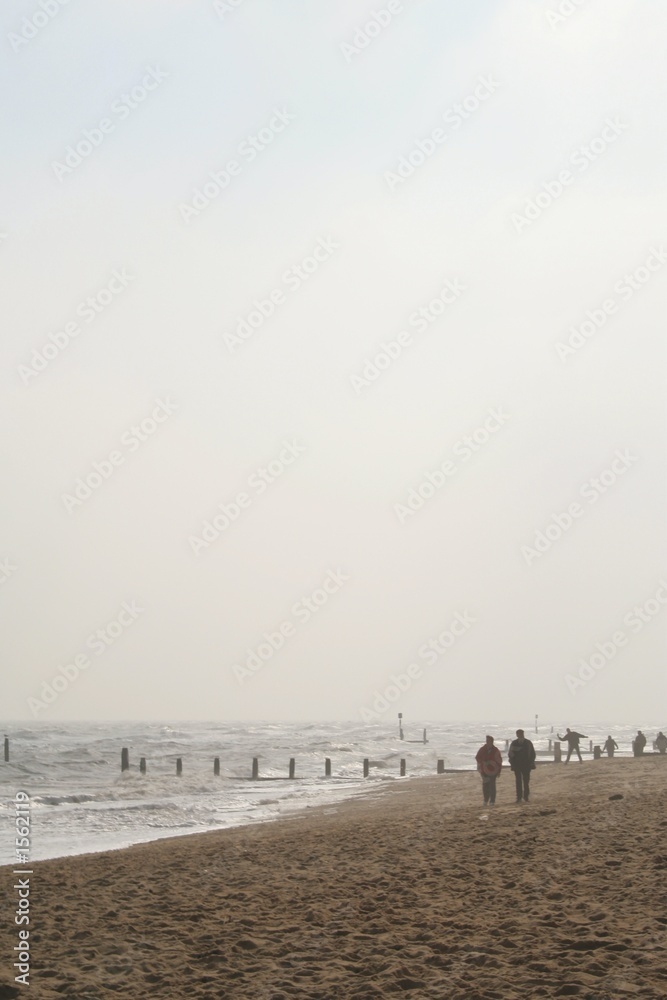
617 796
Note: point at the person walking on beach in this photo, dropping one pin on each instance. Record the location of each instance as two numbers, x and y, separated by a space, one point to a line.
521 758
610 745
638 744
661 742
572 740
489 765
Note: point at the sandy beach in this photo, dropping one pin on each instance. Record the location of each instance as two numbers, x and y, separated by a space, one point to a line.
417 890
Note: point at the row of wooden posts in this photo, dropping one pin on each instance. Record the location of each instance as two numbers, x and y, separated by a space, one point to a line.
125 761
440 766
125 766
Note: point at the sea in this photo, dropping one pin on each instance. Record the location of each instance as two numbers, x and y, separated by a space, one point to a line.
79 800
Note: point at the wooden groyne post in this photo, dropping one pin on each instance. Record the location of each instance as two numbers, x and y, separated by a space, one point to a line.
327 767
292 767
125 759
179 767
255 768
216 767
366 766
557 753
6 749
400 725
402 772
142 765
597 752
441 767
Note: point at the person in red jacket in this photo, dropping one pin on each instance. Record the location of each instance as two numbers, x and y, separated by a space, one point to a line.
489 765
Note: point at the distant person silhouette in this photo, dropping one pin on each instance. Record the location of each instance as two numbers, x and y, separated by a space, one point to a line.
521 758
610 745
661 742
489 765
638 744
572 740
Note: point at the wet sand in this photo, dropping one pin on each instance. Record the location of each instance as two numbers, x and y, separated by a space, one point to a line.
417 891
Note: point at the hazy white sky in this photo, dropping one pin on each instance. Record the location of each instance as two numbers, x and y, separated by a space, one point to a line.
453 220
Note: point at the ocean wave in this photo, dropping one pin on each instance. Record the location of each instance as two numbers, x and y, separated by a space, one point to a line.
146 807
59 800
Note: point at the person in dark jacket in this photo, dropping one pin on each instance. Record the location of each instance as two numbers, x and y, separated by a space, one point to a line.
638 744
521 758
572 740
489 765
610 745
661 742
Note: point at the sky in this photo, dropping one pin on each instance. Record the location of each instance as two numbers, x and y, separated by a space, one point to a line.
333 360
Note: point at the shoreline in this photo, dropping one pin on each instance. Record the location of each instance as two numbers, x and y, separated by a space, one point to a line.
413 889
365 789
358 788
289 812
84 803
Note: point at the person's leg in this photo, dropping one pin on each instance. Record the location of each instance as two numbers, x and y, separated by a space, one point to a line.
485 789
569 754
579 754
519 787
492 790
526 785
